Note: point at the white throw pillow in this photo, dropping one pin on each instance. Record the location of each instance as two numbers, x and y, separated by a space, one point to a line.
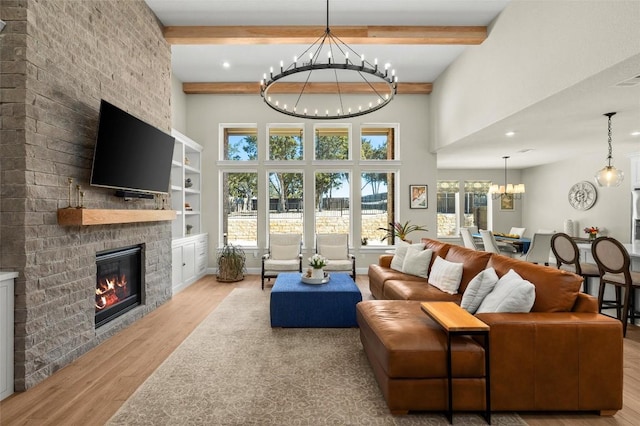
338 252
446 275
283 252
416 262
478 288
401 251
511 294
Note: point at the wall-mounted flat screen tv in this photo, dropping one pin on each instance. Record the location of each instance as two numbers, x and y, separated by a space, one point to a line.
131 155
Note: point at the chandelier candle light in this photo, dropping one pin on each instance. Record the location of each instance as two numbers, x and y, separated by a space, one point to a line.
333 78
509 189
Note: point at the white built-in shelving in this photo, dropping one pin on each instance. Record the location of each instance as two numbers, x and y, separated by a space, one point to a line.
186 186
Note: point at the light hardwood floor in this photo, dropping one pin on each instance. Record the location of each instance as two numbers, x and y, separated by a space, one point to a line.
90 390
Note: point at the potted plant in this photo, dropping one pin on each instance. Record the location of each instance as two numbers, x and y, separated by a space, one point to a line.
231 263
400 230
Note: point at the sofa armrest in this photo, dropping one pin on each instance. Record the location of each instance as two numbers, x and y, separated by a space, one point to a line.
561 361
585 303
385 260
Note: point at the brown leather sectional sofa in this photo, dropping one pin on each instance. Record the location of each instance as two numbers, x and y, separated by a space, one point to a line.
561 356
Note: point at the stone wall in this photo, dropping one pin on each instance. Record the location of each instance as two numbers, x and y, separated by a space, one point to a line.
58 59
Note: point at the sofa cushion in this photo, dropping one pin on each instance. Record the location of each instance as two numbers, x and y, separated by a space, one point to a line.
404 289
417 261
556 290
481 285
401 251
446 275
510 294
474 261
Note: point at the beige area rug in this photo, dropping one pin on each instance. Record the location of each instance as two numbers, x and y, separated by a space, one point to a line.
234 369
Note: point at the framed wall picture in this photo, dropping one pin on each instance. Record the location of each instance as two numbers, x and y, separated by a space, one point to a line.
507 203
418 194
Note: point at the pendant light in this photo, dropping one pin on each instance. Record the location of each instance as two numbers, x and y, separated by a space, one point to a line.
609 175
508 189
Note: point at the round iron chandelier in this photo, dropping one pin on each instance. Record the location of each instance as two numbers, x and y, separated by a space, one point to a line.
336 69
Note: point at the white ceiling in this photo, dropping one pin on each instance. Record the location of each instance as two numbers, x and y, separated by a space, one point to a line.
573 120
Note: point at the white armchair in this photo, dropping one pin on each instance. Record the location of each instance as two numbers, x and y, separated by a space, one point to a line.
284 255
335 248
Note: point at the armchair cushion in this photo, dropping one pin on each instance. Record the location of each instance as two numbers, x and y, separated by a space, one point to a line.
284 252
511 294
446 275
479 287
416 262
281 265
340 252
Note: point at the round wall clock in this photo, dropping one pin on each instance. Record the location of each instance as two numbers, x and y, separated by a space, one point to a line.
583 195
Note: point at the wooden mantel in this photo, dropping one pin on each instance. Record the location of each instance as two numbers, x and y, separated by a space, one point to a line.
72 216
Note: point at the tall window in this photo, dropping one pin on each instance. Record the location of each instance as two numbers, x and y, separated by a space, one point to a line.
332 196
240 144
475 203
376 206
286 207
447 214
285 142
240 208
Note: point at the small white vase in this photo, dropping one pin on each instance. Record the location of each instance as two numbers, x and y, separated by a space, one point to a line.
317 273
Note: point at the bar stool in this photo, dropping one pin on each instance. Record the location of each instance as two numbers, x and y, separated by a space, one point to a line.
614 265
567 257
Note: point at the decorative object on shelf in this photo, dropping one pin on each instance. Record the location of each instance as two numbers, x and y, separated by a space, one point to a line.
231 263
332 78
418 194
609 175
400 230
592 231
513 191
187 162
77 196
70 180
188 183
188 229
81 205
188 207
317 262
569 228
583 195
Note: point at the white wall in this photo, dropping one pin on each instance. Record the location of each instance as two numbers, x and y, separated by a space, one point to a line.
535 49
417 164
178 106
546 202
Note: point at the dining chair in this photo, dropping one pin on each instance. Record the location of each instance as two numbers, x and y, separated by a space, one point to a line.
540 249
467 239
567 255
284 255
517 231
491 245
615 269
335 248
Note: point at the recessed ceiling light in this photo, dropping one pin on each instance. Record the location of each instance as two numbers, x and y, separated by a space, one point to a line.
226 64
511 133
635 133
522 151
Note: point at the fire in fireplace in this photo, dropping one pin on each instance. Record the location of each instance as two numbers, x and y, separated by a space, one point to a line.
119 282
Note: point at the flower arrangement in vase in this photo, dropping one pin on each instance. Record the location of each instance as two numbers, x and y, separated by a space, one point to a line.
592 231
317 262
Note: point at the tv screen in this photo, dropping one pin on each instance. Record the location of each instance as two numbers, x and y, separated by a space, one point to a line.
130 154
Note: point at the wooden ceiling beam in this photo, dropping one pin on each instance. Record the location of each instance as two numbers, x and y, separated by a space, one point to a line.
198 35
243 88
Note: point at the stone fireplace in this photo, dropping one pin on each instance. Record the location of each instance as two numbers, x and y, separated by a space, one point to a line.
119 282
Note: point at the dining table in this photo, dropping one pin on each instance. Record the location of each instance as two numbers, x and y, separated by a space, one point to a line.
521 244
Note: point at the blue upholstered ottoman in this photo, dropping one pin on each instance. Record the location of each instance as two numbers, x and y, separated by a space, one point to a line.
296 304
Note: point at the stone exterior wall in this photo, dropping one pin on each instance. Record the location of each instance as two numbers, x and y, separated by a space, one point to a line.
58 59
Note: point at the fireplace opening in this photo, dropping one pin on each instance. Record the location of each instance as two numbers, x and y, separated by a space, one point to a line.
119 282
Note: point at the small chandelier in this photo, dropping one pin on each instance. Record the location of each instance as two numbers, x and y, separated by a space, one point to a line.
379 83
609 175
508 189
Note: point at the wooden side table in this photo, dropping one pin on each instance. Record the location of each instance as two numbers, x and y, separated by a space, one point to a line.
456 321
